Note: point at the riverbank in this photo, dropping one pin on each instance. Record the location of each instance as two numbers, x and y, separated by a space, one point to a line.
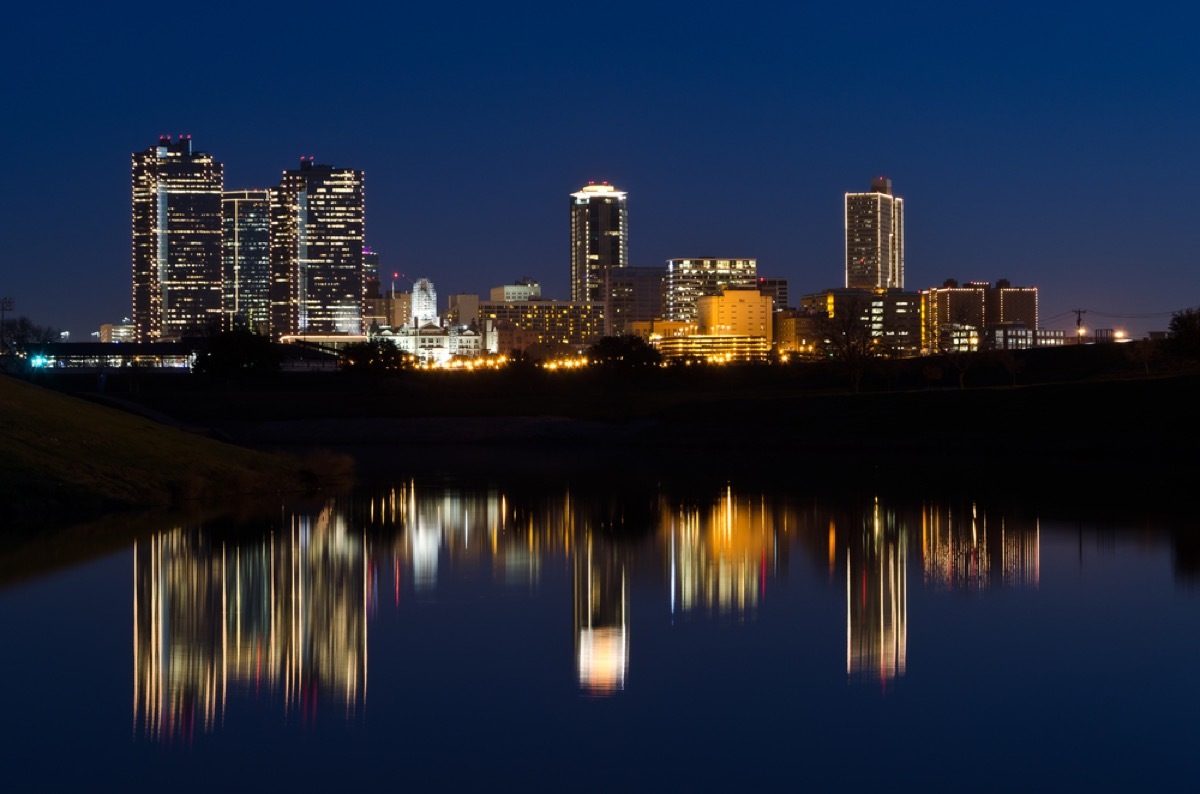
66 459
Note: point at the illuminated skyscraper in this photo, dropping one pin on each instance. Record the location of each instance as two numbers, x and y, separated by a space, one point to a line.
246 258
176 240
317 251
599 239
875 238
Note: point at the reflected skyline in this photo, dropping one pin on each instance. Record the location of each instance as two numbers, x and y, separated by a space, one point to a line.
721 555
288 615
285 617
877 596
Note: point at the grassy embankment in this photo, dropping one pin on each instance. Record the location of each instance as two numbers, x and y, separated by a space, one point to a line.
65 459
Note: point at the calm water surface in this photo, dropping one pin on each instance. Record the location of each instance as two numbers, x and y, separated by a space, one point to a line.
420 636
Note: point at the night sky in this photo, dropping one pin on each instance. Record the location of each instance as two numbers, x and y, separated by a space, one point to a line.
1054 145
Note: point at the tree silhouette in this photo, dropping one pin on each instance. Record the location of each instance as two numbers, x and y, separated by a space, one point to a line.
1183 334
21 334
241 351
374 355
624 351
848 338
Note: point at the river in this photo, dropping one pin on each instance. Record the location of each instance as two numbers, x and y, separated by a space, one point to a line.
558 637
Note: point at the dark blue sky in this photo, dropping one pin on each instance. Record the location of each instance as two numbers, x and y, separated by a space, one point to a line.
1050 144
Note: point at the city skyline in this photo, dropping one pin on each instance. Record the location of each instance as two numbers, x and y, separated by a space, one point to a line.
1030 144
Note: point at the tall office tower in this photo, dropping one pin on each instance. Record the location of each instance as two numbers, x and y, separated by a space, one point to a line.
176 240
875 238
246 259
317 251
599 239
371 283
688 280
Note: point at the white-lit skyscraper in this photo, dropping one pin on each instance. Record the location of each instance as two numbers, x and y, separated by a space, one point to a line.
176 240
317 251
246 258
875 238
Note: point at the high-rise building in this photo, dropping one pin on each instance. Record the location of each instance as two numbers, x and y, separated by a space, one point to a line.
176 240
599 239
246 258
875 238
317 251
688 280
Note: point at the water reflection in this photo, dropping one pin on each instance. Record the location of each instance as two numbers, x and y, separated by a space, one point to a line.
284 617
601 618
967 552
283 613
721 553
877 595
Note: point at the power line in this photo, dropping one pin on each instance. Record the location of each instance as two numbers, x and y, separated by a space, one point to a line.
1151 315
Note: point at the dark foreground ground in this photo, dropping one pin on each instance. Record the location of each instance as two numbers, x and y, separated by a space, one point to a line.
1102 425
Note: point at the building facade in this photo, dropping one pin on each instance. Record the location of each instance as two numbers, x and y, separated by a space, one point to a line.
525 289
558 325
176 240
963 317
317 272
635 294
737 312
246 259
1007 304
874 224
688 280
799 333
599 239
424 304
777 288
714 348
372 285
889 319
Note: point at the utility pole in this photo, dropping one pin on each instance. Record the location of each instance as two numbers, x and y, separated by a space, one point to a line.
1079 325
